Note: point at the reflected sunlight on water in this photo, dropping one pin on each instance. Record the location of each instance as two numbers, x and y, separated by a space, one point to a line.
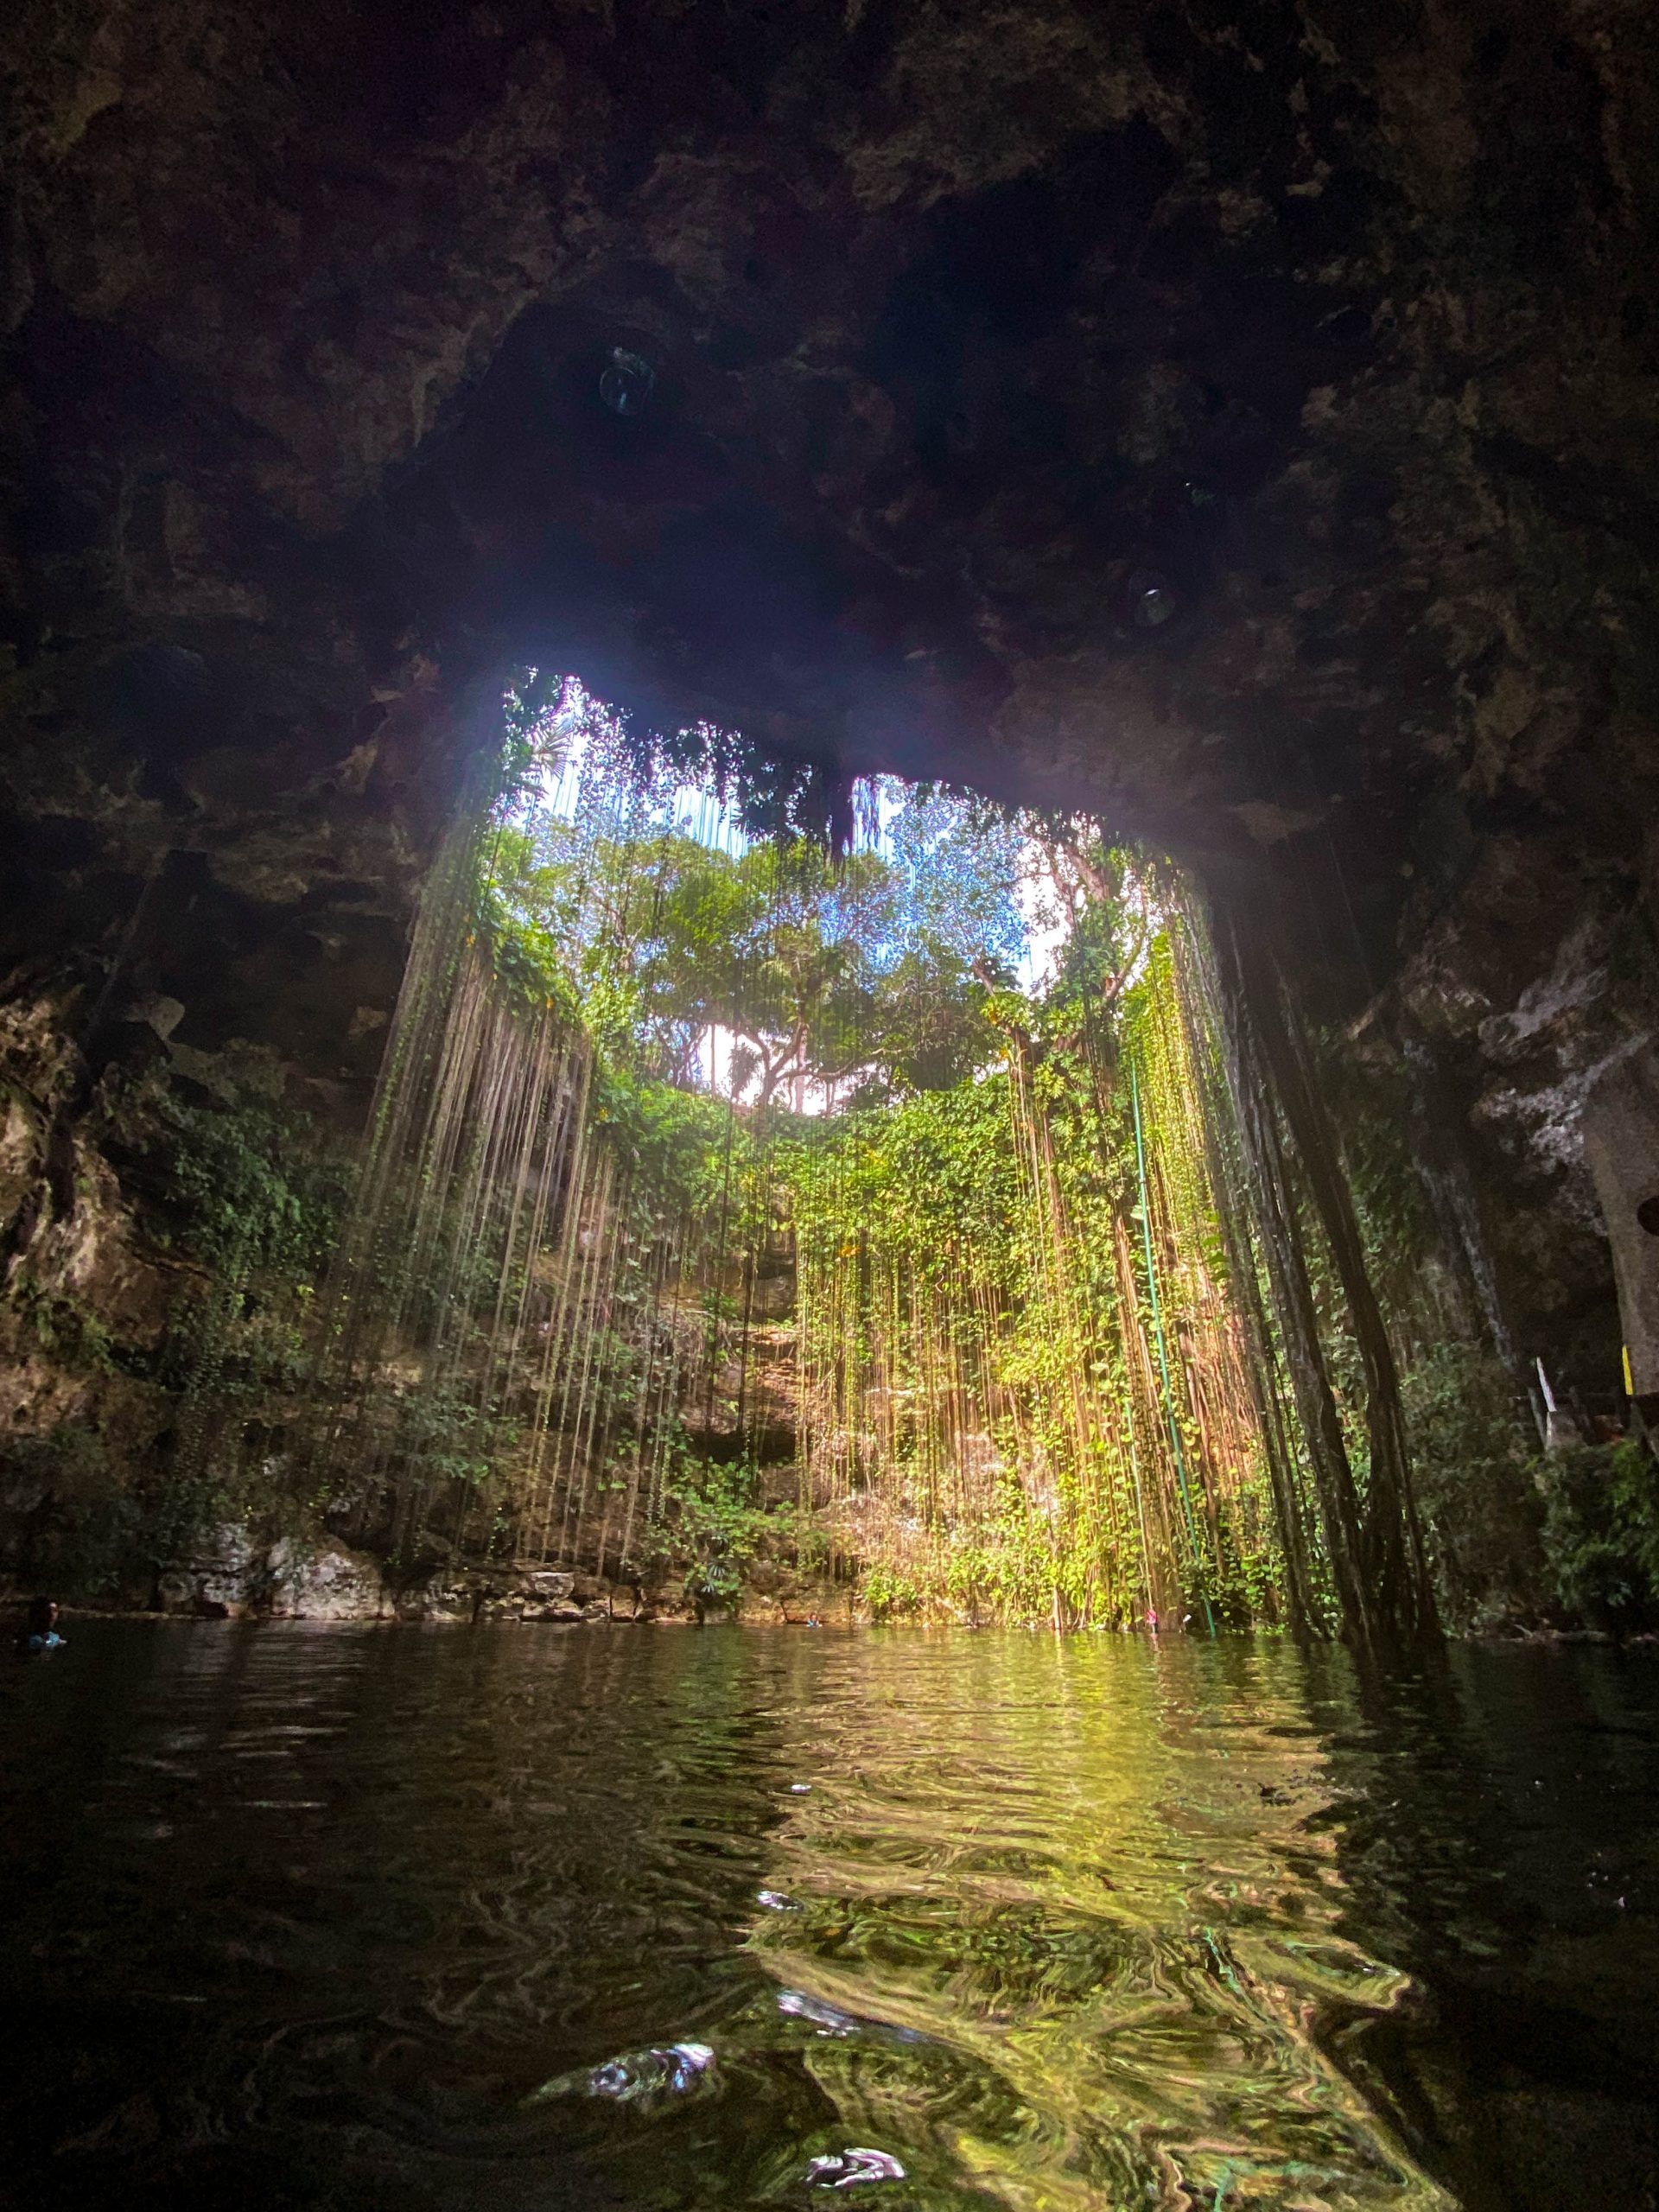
662 1919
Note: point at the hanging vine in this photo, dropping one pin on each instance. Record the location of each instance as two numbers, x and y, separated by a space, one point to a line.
728 1195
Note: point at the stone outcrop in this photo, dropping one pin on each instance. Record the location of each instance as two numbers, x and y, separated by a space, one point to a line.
322 1583
1621 1141
232 1574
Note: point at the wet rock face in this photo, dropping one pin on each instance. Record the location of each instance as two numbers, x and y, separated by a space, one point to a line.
1242 420
232 1574
1621 1141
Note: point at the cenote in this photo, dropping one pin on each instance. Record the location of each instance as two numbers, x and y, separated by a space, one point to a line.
829 1102
623 1918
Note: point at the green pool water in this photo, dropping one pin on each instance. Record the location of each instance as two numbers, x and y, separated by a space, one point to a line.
624 1917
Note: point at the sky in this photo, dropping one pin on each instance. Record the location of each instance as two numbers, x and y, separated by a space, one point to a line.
577 727
701 814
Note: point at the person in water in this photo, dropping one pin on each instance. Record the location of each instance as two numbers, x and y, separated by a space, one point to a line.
40 1628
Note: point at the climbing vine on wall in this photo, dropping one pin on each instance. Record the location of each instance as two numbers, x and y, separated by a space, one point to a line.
1023 1382
731 1197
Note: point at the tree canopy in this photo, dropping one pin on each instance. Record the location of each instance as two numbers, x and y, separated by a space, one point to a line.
855 976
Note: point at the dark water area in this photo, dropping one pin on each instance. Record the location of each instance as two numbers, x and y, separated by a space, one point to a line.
522 1916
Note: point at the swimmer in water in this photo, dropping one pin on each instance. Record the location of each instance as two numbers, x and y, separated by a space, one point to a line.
40 1629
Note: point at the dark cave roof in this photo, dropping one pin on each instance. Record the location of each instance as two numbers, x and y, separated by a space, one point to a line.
974 334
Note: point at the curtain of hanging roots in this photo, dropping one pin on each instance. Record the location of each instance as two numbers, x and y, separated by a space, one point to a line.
509 1343
1052 1352
1052 1406
1373 1548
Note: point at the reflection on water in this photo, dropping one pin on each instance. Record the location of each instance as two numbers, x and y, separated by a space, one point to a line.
653 1919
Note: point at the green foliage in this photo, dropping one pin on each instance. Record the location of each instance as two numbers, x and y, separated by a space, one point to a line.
250 1192
871 969
1601 1533
64 1326
1476 1489
720 1529
444 1433
1238 1576
76 1524
238 1185
247 1183
1020 1389
890 1595
255 1198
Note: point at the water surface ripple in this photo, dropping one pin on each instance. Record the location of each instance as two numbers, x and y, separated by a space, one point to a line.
660 1919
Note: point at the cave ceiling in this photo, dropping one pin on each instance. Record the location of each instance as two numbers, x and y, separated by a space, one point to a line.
1240 419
